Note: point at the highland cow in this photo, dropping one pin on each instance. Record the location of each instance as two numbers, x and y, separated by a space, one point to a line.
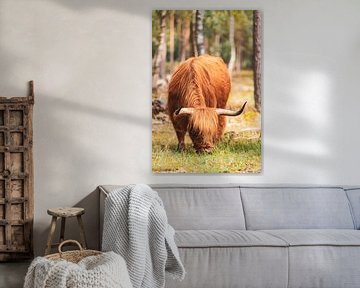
198 92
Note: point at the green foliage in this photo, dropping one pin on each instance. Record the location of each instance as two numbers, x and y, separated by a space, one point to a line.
244 34
215 22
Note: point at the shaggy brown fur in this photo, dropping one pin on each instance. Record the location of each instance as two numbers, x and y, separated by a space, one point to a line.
202 83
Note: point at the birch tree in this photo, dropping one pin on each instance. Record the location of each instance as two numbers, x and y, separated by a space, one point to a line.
199 32
232 42
172 36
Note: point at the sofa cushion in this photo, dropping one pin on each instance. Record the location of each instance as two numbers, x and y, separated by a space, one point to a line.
220 267
192 208
317 237
322 258
296 208
226 238
324 266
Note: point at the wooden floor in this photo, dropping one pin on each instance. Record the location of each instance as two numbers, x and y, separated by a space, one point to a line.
12 274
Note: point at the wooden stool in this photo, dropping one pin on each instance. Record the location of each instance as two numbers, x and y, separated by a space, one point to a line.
64 213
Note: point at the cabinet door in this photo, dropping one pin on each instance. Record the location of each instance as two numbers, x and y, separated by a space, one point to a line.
16 208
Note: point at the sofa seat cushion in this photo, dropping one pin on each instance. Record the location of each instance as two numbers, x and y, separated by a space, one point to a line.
323 258
226 238
233 267
317 237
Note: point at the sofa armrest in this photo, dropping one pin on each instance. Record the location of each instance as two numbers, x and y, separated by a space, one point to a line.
102 197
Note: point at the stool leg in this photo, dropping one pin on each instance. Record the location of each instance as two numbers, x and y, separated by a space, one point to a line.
62 231
82 232
51 235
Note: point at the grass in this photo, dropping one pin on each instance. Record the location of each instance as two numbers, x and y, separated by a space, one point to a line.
239 151
231 155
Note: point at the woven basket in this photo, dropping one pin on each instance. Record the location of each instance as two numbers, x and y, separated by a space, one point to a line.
72 256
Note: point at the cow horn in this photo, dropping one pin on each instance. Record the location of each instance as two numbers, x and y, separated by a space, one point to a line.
227 112
184 111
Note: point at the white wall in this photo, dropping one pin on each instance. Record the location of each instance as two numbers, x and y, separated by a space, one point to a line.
91 63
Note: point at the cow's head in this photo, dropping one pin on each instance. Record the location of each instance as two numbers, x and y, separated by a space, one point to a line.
204 124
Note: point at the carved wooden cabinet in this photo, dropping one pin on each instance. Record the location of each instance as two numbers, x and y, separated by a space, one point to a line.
16 177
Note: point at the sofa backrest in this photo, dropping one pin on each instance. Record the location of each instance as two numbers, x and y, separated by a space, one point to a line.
296 208
202 208
230 207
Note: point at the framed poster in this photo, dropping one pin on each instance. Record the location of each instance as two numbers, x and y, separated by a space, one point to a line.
206 91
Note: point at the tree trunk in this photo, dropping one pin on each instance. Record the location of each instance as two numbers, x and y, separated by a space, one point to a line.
238 59
185 38
199 32
257 59
154 59
194 51
206 44
178 22
172 37
232 42
217 44
161 53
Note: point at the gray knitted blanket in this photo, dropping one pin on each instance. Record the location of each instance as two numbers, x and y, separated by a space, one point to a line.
136 227
102 271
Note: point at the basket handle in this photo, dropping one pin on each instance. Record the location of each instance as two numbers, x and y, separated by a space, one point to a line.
69 241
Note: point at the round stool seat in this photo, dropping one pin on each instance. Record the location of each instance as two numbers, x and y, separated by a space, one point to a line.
66 211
